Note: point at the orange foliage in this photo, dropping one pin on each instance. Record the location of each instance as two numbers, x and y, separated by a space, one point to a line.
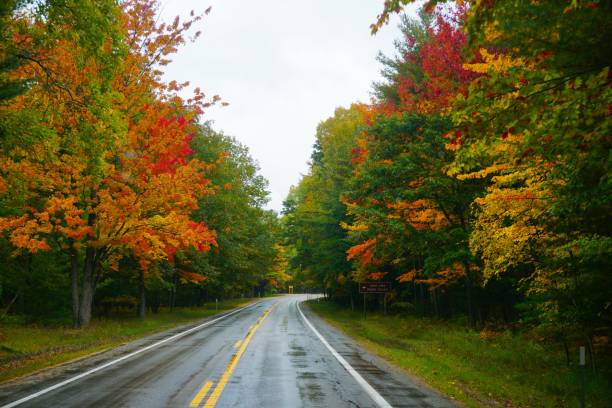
420 214
407 277
376 275
191 277
362 252
446 276
117 176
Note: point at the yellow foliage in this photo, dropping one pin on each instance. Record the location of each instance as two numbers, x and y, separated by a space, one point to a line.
357 227
494 62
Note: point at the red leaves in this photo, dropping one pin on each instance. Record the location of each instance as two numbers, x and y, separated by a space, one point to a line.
545 54
167 146
359 155
191 277
440 59
455 138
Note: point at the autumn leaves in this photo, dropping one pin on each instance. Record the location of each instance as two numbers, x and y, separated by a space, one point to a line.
479 177
102 168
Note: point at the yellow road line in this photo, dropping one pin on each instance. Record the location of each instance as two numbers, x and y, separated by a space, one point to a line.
237 344
214 397
201 394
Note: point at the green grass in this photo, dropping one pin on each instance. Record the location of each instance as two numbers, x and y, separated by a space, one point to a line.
28 348
493 369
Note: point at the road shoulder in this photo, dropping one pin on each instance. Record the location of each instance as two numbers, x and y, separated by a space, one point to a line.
16 388
392 382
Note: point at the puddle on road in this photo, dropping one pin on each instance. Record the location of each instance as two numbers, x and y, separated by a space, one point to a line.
311 392
307 376
284 324
297 355
308 382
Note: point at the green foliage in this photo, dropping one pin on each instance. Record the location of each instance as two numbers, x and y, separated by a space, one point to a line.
36 283
246 232
313 211
537 126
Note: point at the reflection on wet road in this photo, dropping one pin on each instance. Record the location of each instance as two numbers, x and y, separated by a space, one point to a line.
263 356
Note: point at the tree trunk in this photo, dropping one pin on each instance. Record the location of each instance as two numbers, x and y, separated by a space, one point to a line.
434 297
174 288
591 351
74 285
468 293
142 309
422 293
6 310
87 291
88 286
567 353
468 289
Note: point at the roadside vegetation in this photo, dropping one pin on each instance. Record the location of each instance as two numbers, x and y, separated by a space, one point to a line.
26 348
486 368
477 185
115 192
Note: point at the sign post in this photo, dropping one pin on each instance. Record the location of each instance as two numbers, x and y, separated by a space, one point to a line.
374 287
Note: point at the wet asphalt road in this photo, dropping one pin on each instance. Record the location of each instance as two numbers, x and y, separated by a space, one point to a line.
262 356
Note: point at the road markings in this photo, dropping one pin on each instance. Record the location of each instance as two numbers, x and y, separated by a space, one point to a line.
110 363
237 344
214 397
378 399
201 394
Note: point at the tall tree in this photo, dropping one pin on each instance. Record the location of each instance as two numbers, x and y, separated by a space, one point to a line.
110 173
245 230
537 124
314 212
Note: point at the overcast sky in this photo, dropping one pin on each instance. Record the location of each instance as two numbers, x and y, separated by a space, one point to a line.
284 66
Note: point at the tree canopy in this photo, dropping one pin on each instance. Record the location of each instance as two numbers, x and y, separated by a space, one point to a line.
479 176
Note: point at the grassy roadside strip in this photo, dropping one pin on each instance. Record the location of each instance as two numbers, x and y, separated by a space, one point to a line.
490 370
25 349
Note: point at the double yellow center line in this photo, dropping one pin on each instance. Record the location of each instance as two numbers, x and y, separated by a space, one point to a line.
241 345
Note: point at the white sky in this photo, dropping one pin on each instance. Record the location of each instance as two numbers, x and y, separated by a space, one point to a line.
284 66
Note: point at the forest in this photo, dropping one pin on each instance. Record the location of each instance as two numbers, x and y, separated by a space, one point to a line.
115 192
477 181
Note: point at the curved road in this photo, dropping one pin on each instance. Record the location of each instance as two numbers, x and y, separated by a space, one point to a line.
265 355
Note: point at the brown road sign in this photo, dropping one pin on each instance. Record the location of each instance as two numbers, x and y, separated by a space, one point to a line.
374 287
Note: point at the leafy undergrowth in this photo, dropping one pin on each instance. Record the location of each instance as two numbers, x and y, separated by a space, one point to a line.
28 348
501 370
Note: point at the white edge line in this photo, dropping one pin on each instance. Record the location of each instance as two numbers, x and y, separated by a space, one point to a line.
110 363
378 399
